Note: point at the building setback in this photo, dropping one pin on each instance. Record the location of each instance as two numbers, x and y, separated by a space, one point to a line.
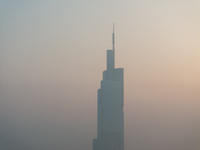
110 115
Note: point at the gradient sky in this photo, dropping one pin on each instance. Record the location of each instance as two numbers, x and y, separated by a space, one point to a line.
52 54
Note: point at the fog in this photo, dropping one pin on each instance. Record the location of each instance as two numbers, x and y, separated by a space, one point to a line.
53 53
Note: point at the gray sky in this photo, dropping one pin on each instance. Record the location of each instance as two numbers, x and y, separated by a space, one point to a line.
52 54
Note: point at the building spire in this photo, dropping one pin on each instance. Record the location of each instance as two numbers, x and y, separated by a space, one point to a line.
113 42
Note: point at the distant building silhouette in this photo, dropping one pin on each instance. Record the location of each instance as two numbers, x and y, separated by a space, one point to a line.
110 115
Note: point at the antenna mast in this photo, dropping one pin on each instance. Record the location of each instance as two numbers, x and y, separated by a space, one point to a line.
113 42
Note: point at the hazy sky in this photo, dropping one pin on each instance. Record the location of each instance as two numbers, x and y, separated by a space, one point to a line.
52 54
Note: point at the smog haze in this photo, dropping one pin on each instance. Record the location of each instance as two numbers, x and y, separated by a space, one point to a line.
52 54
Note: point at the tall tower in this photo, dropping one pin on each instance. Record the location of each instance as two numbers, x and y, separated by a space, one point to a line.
110 115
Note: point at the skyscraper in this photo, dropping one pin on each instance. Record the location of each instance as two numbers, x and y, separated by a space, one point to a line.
110 115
